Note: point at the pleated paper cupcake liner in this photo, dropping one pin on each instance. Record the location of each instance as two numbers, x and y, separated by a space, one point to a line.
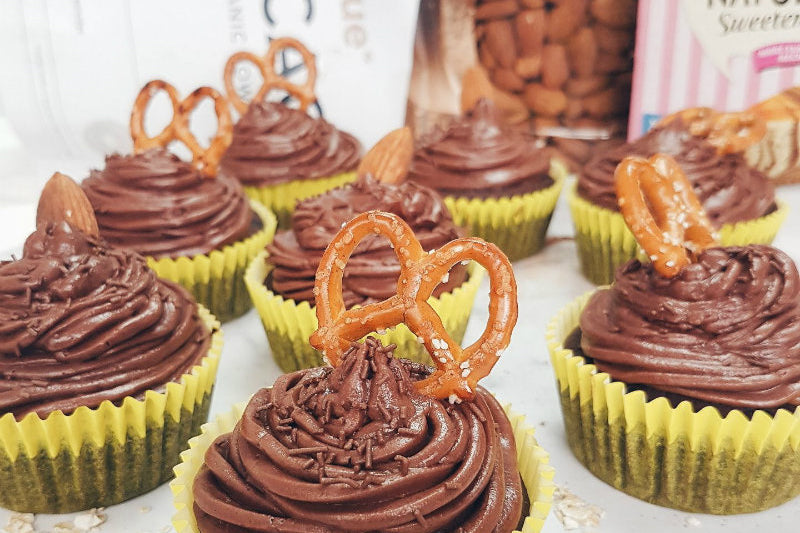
604 241
216 279
288 325
533 463
517 224
102 456
672 456
282 198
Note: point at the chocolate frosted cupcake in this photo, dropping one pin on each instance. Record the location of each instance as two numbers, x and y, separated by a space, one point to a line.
375 443
196 229
495 181
105 372
739 200
280 154
281 281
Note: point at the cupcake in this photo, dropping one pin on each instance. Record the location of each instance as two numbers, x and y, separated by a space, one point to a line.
680 383
377 442
739 200
105 370
280 154
195 228
495 181
281 280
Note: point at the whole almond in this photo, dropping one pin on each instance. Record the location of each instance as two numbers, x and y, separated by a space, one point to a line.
614 13
389 160
584 86
565 19
613 64
545 101
528 67
485 56
612 40
508 80
475 85
555 69
63 200
496 9
500 40
514 109
582 52
530 28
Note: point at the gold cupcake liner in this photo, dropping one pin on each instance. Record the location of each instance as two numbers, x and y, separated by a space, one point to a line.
102 456
533 463
672 456
283 197
604 241
288 325
216 279
517 224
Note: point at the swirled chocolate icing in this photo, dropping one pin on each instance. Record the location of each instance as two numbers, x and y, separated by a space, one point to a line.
373 269
356 448
729 189
273 143
157 205
81 323
725 330
478 156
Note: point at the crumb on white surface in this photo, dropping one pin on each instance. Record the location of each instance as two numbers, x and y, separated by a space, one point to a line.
88 522
20 523
692 522
573 512
145 509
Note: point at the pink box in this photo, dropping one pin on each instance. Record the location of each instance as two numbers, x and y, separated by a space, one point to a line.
725 54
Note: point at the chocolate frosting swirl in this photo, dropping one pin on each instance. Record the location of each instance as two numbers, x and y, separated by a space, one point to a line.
273 143
373 269
356 448
157 205
725 330
730 190
480 157
83 323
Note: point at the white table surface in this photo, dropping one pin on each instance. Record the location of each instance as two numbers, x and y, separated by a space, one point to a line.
523 377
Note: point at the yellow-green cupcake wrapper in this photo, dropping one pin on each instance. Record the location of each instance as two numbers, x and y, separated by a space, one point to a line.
102 456
517 224
604 241
672 456
216 279
288 325
533 463
283 197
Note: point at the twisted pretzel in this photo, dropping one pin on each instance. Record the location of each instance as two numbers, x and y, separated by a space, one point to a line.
457 370
272 80
729 132
662 211
205 160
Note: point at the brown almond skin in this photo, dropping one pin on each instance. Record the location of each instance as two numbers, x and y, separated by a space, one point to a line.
496 10
585 86
606 103
508 80
555 68
565 19
475 85
612 64
389 160
619 14
544 101
528 67
574 108
532 4
612 40
514 109
63 200
500 40
582 52
530 27
485 56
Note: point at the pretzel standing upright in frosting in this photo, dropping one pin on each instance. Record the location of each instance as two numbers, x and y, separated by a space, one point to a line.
205 160
272 80
728 132
457 370
662 211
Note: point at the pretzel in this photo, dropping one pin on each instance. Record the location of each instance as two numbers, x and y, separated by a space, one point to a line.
662 211
206 160
729 132
272 80
457 370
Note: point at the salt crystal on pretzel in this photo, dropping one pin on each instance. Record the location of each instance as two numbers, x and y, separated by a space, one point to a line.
457 370
272 80
662 211
728 132
205 160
